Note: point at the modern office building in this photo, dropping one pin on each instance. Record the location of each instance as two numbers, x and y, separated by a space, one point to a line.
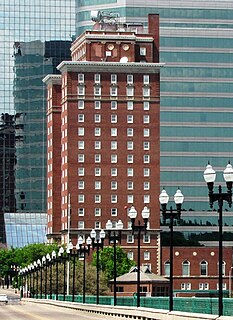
103 136
196 43
35 37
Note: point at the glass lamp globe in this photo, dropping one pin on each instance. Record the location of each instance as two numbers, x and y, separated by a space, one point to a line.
228 173
178 197
132 213
209 174
145 212
163 197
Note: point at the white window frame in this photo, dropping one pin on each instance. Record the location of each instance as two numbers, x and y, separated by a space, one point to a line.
81 144
97 131
97 78
113 105
113 118
113 145
114 198
97 198
129 118
97 158
81 104
81 78
130 172
114 172
129 185
113 132
113 78
129 78
97 172
97 118
146 79
130 145
97 145
97 105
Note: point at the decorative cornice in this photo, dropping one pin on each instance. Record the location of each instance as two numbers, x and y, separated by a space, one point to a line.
52 79
93 66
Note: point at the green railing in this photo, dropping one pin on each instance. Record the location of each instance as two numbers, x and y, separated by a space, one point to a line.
187 304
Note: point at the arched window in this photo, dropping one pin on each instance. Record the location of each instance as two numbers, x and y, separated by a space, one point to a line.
186 268
223 268
167 268
204 268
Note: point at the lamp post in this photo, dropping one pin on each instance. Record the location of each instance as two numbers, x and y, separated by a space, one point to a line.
114 235
97 243
139 228
82 250
171 214
220 197
62 257
72 253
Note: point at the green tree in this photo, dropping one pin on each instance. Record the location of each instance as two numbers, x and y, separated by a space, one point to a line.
106 262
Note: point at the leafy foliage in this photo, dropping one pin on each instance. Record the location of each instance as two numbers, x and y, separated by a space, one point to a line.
106 261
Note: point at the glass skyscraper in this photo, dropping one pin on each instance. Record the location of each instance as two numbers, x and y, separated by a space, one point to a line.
35 37
196 41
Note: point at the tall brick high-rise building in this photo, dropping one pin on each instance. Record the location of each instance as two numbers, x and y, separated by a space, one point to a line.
103 135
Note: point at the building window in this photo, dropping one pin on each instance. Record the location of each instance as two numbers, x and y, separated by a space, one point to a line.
81 145
113 91
130 172
80 184
142 51
130 255
223 268
146 92
80 78
80 131
97 132
129 79
113 185
146 145
146 132
146 79
146 255
81 171
113 78
146 158
129 118
97 105
130 238
146 185
97 198
81 212
80 224
146 105
186 268
130 198
130 91
113 118
97 185
113 158
81 90
97 118
146 172
129 158
146 238
97 211
81 117
224 286
113 105
113 198
204 286
113 172
97 145
97 225
97 172
167 268
114 132
97 158
113 145
146 198
130 105
130 185
97 78
80 104
129 145
81 198
146 118
81 158
204 268
113 211
186 286
97 91
130 132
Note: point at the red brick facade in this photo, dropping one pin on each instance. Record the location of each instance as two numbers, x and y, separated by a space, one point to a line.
106 152
196 268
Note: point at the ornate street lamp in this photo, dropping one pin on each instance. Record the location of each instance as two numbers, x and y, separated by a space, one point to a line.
114 235
97 243
171 214
139 229
220 197
82 250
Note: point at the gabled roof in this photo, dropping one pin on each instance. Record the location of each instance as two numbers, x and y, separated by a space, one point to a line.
145 276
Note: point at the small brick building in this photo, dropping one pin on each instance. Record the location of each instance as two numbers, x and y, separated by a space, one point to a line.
196 268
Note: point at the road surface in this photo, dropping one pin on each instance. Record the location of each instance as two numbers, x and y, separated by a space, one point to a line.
33 311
